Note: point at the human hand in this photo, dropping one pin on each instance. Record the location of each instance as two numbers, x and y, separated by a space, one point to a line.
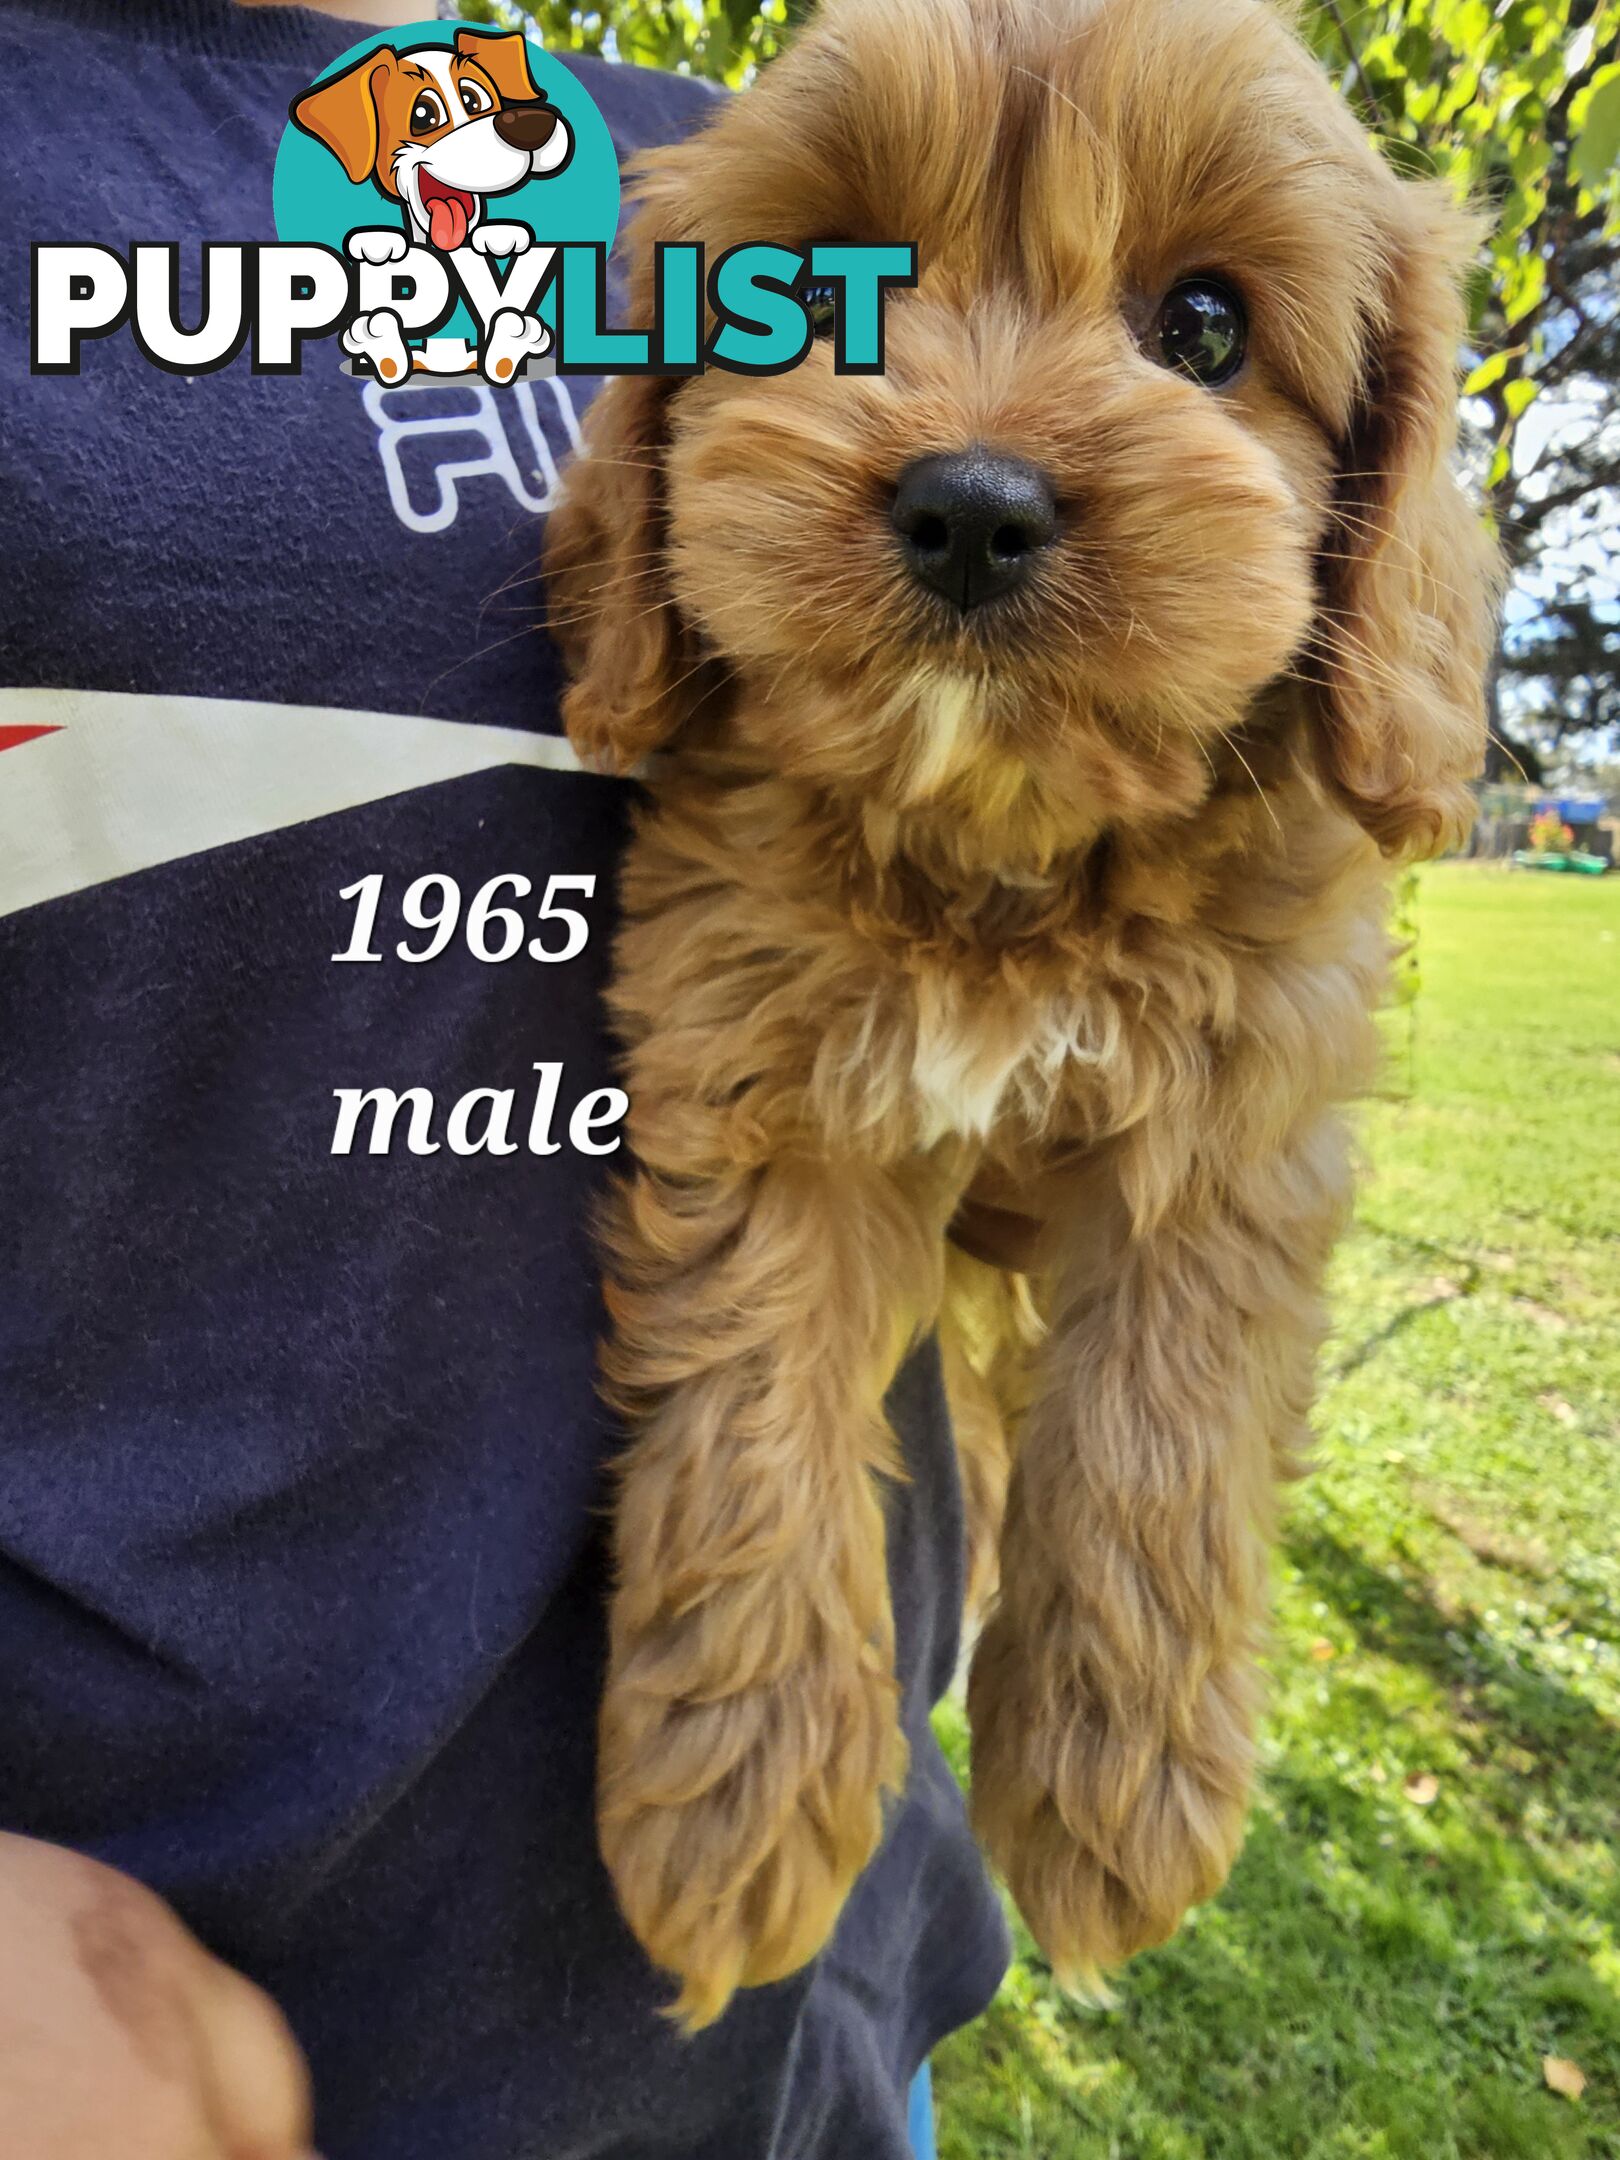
120 2034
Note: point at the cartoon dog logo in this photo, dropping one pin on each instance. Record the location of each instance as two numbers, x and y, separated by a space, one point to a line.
438 129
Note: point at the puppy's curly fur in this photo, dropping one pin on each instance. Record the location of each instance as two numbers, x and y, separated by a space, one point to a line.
1077 899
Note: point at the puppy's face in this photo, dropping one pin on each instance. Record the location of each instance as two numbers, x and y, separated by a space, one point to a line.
1159 382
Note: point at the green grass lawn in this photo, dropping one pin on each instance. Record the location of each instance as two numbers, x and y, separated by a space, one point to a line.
1384 1976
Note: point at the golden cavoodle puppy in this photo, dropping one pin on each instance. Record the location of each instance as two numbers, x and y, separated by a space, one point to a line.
1040 718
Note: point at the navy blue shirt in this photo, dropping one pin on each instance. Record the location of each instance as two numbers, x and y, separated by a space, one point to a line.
300 1457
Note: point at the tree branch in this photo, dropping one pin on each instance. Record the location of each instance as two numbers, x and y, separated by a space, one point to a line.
1529 517
1354 57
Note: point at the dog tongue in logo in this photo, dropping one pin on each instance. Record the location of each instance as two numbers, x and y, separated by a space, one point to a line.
447 223
448 216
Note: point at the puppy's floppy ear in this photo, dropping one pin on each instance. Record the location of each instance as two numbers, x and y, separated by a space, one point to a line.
607 582
639 672
504 57
1408 573
342 111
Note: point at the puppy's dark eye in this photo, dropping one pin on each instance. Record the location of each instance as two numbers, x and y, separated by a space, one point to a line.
821 305
1202 329
427 113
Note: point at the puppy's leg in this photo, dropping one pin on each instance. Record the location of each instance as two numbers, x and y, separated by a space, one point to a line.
988 1330
1113 1694
749 1727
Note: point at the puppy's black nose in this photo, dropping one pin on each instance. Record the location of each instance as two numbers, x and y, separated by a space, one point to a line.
526 127
971 523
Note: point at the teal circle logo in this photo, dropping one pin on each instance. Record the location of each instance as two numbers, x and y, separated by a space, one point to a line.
447 161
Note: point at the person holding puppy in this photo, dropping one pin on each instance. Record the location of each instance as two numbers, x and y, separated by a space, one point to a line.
301 1456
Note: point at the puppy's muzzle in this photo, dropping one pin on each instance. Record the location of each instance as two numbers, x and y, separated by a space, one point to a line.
526 127
971 524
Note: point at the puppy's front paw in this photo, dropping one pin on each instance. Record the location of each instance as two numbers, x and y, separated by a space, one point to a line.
385 245
734 1825
1108 1821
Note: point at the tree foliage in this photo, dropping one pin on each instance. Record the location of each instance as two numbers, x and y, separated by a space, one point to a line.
722 39
1517 103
